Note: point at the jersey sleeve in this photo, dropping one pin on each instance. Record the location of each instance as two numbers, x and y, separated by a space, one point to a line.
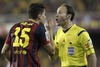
86 43
8 39
42 36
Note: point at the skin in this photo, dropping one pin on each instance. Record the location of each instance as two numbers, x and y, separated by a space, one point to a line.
49 48
5 52
63 20
92 60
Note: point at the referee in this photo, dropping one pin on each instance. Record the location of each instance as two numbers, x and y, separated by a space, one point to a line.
73 44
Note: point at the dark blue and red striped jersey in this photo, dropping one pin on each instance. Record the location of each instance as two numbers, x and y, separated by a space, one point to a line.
25 39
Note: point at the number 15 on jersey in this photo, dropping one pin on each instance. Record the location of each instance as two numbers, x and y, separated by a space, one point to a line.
18 41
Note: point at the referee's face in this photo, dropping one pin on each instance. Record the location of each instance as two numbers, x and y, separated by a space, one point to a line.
61 15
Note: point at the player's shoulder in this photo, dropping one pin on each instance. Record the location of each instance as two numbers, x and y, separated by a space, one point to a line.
18 24
15 25
40 28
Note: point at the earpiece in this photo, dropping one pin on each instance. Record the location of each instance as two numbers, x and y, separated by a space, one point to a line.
65 18
68 16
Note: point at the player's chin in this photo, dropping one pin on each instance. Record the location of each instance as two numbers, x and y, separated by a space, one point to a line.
42 22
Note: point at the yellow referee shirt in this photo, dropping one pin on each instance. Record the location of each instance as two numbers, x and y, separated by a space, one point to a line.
73 46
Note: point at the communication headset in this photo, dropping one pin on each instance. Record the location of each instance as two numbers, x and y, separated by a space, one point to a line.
68 16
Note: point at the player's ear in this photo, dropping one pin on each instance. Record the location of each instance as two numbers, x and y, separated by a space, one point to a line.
39 16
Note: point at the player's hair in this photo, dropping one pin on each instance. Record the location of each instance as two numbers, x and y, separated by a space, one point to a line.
69 10
35 9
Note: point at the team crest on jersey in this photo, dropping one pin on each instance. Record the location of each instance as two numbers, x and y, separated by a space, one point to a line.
89 43
71 50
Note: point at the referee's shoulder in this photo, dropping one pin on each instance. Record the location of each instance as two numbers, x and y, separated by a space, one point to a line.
80 28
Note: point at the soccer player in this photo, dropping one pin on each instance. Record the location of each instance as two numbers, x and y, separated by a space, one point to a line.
73 44
26 37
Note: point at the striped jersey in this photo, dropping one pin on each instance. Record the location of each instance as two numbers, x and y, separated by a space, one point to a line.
25 39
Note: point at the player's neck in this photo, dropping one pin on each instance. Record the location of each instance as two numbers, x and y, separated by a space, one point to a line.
34 21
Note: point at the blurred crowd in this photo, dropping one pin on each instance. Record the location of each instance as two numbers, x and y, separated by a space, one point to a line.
87 15
87 11
20 6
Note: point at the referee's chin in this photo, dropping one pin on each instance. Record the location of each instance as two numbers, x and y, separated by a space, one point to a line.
58 24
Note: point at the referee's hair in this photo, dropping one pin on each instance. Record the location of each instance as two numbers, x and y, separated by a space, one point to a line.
35 9
70 10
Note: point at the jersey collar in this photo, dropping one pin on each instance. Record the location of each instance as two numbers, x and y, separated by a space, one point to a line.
69 28
33 21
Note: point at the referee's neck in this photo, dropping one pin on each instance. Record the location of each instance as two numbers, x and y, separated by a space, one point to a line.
67 26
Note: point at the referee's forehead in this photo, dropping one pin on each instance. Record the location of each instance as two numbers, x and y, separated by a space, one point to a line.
62 9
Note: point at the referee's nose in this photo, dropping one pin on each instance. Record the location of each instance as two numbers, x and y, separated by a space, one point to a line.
56 15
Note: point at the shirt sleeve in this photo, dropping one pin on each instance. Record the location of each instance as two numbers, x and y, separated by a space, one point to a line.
8 39
86 43
42 36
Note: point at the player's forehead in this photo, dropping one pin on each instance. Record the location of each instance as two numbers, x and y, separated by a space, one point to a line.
62 9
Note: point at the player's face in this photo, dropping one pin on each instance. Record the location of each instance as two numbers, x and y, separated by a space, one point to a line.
61 15
42 17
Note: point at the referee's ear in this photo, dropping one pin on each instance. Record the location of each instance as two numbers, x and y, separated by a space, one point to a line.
69 16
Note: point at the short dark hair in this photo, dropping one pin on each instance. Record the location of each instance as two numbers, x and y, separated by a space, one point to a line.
35 9
69 11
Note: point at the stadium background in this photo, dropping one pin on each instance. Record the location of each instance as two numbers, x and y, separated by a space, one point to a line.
87 16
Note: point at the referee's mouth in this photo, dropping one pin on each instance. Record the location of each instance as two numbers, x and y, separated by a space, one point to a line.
56 20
